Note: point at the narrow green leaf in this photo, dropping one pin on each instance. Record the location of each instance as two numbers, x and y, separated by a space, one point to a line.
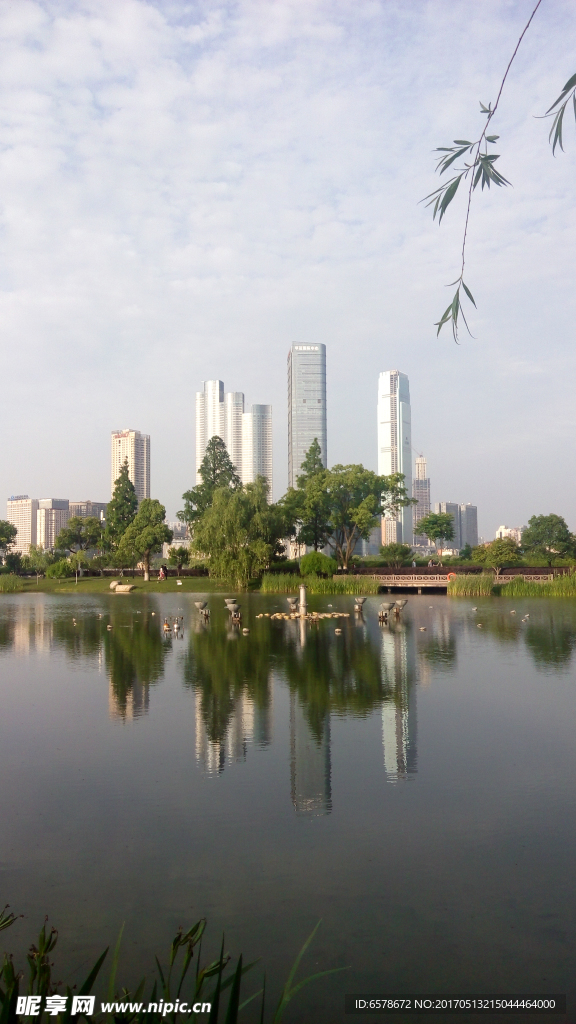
569 85
234 1001
114 967
468 293
86 988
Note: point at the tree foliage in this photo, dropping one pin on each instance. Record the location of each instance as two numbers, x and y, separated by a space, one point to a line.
439 526
122 507
307 506
502 551
240 532
396 555
357 498
7 535
216 471
548 536
178 556
79 534
317 563
146 534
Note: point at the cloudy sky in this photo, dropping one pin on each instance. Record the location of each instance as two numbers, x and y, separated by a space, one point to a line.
188 188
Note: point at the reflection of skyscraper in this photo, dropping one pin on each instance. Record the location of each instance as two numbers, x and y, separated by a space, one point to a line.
248 724
309 763
398 661
131 703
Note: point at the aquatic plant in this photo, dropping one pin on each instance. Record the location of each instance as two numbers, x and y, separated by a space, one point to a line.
471 586
10 584
560 586
288 583
206 984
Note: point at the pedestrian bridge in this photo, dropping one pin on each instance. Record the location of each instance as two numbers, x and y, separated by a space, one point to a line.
438 580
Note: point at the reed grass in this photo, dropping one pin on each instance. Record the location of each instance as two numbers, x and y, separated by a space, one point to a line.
288 583
561 586
10 584
205 984
471 586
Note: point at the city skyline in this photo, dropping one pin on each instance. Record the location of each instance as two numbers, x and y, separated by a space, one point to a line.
247 434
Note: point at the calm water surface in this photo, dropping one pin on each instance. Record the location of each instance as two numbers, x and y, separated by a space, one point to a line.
414 786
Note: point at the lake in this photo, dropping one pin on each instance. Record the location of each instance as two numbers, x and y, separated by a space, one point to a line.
412 785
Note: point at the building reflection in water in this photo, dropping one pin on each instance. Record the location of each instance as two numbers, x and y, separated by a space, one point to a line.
126 703
398 661
309 762
247 725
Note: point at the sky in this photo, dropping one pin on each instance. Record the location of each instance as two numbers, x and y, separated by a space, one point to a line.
186 189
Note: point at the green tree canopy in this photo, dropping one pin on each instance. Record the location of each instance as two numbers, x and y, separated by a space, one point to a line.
312 464
240 532
7 535
439 526
306 506
548 536
357 499
316 562
396 554
178 556
502 551
217 471
146 534
122 507
79 534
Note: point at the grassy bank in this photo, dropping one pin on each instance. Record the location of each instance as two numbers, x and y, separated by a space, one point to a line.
99 585
288 583
487 585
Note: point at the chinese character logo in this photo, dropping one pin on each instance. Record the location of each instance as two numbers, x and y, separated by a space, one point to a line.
83 1004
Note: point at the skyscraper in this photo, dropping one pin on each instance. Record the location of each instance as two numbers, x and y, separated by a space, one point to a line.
257 445
395 447
135 447
51 517
21 512
84 509
451 508
420 491
306 405
465 523
247 435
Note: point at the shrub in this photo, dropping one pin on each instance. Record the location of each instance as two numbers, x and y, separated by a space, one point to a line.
60 570
315 563
9 584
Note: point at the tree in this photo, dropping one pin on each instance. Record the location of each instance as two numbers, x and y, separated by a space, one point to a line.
502 551
466 553
357 498
306 506
178 556
439 526
480 169
7 535
240 533
122 506
216 470
312 464
146 534
38 560
79 534
396 555
317 563
548 536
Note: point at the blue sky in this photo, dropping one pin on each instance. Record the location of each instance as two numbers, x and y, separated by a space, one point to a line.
186 189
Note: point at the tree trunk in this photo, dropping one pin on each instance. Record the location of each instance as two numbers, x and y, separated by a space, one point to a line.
147 568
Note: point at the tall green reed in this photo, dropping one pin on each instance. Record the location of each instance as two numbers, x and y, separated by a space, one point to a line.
288 583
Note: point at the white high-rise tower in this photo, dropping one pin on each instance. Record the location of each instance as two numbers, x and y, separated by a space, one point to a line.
306 405
135 447
247 435
395 447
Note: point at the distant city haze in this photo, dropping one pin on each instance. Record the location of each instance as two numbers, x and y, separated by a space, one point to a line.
189 191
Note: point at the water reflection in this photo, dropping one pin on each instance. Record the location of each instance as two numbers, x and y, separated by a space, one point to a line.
398 661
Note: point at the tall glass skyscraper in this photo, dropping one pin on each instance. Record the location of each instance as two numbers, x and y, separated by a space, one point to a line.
395 447
306 404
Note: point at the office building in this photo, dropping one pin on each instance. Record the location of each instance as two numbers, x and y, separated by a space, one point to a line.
257 445
247 435
21 512
51 517
421 492
514 532
469 525
306 405
133 446
465 524
395 447
88 509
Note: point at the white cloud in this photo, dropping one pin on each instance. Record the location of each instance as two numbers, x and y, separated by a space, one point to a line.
187 188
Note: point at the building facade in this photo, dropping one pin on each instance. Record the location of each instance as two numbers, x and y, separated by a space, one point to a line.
515 532
133 446
247 435
465 523
306 405
21 512
52 516
88 509
421 492
395 444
